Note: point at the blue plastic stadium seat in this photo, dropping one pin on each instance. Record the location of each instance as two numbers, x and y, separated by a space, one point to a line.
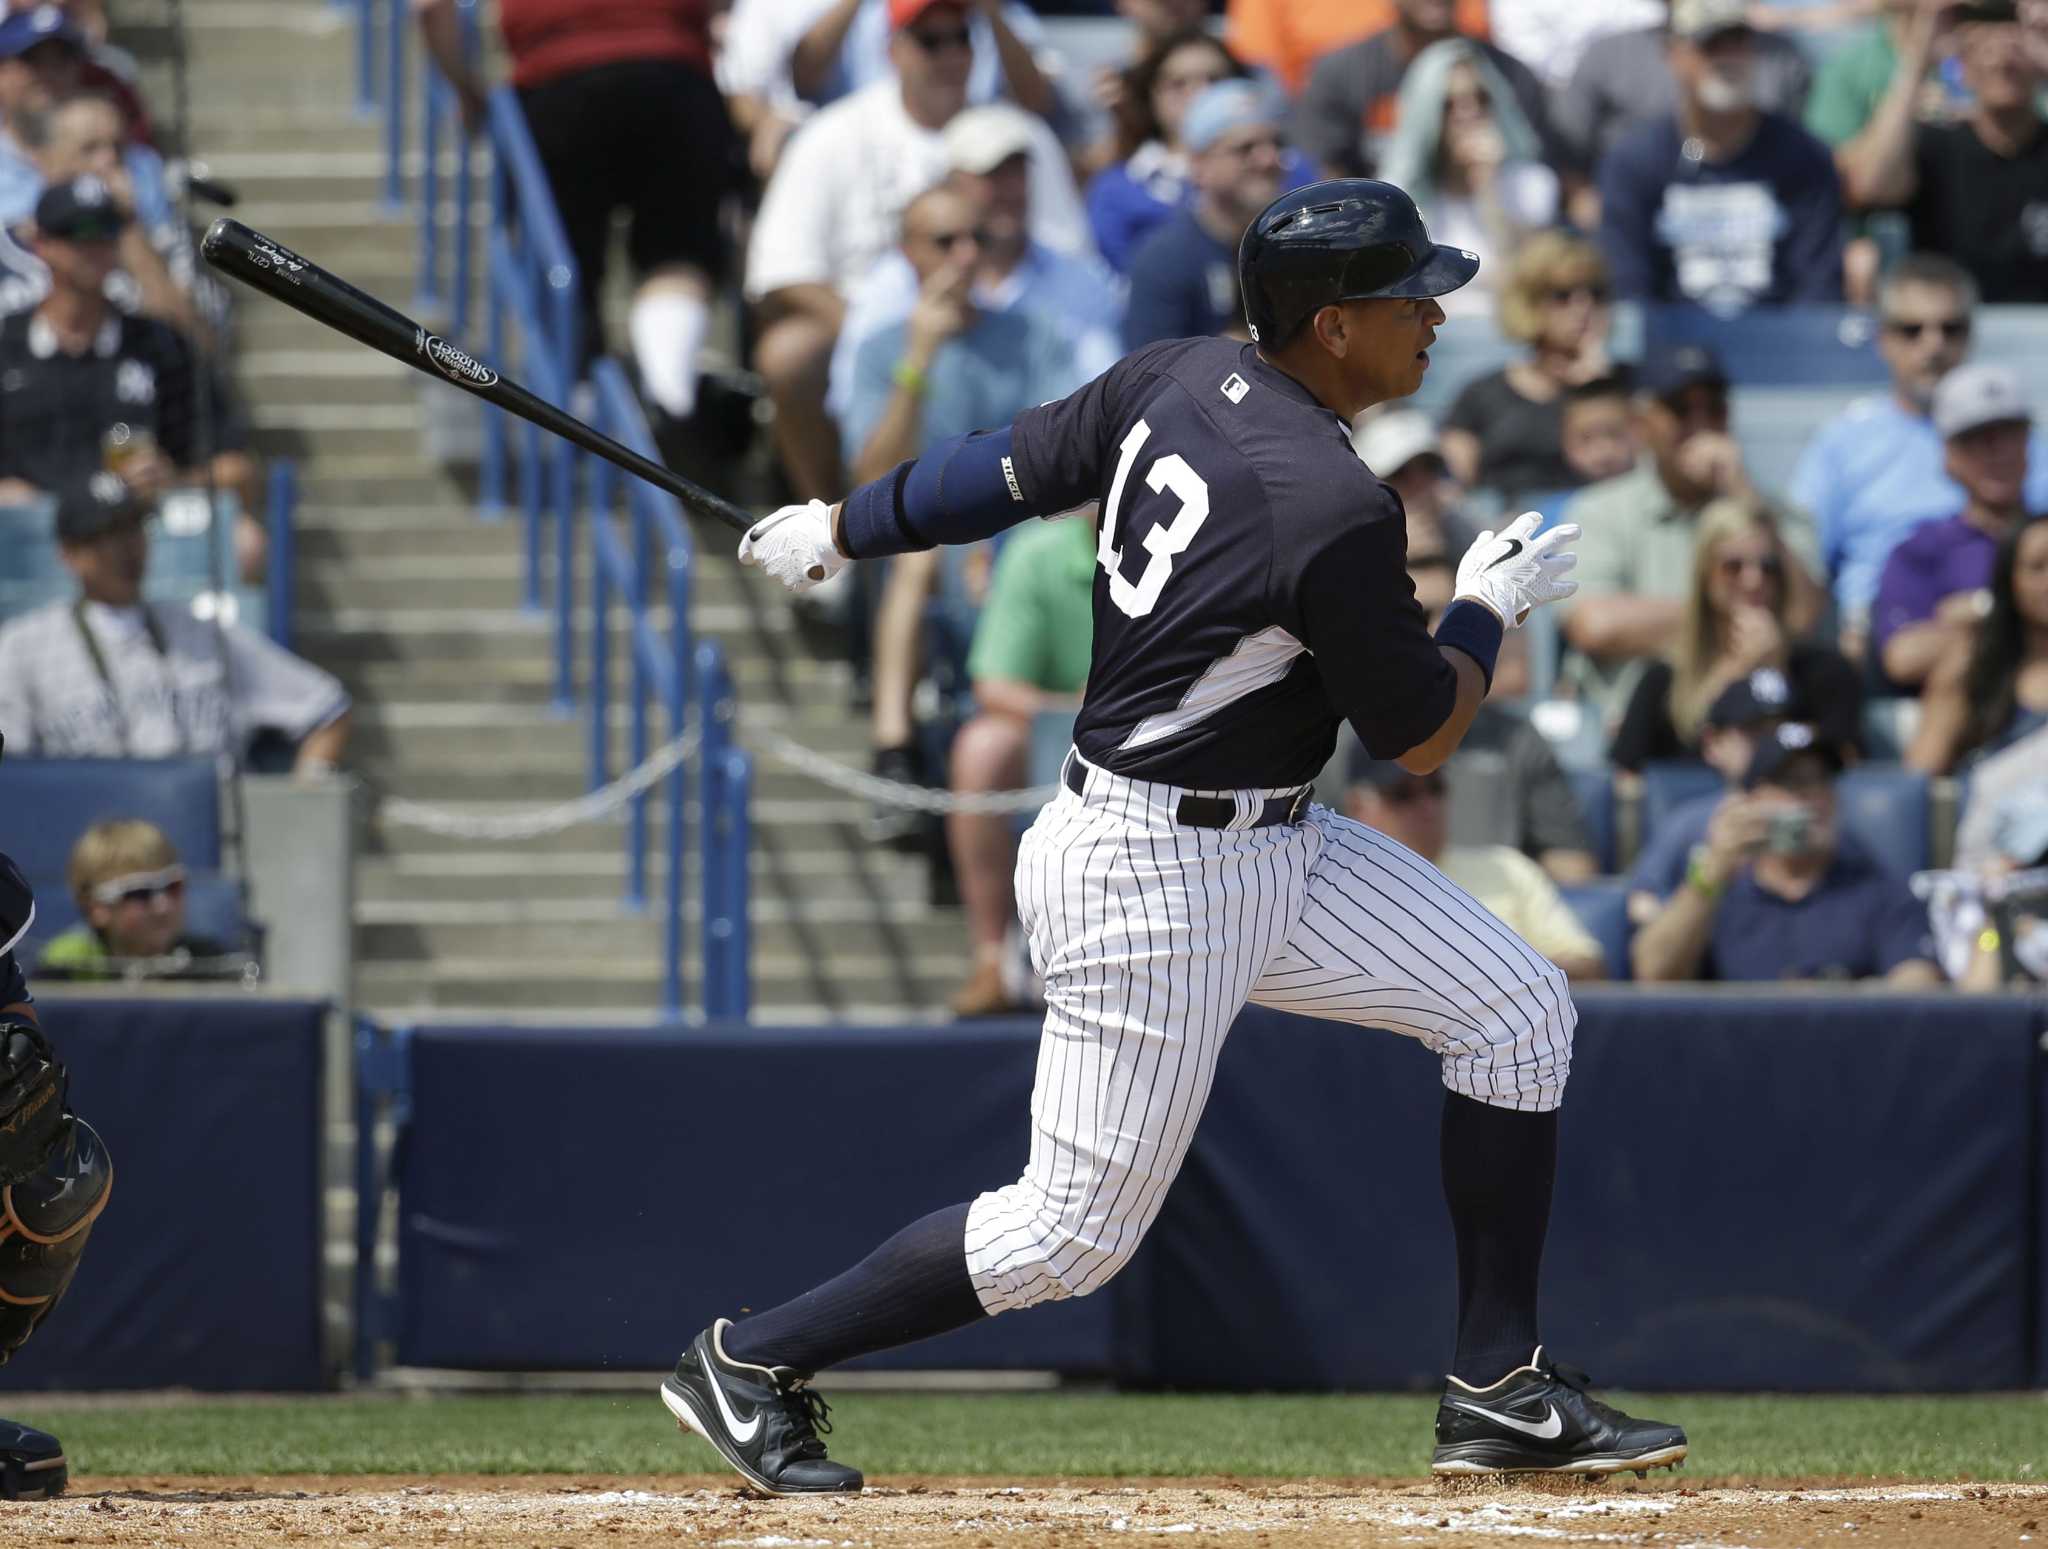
1602 907
1789 346
1887 809
213 909
1667 786
68 795
1594 789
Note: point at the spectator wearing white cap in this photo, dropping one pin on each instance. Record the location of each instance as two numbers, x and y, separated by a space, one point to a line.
1184 278
1402 450
1934 590
1720 202
988 153
836 203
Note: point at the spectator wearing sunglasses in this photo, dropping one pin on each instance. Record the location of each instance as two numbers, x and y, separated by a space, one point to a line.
130 890
1505 429
110 675
952 366
1735 630
1638 556
835 205
1184 277
1935 589
1414 810
1878 470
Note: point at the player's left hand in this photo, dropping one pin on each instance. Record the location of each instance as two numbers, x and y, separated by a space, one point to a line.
1513 570
794 545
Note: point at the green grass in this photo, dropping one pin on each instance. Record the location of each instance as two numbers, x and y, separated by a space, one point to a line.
1024 1435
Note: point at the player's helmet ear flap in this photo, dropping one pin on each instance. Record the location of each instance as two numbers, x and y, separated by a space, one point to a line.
1347 239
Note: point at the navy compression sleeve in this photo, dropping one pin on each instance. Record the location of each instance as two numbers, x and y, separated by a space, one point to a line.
960 491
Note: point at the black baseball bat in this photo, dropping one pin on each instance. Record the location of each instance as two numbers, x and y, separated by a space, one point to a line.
304 286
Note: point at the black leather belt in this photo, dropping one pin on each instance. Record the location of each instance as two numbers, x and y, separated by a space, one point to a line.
1210 811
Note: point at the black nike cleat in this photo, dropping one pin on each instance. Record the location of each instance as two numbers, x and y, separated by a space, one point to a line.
1539 1419
765 1420
32 1464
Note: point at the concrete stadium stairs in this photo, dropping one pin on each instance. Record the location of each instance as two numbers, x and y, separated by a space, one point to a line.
414 601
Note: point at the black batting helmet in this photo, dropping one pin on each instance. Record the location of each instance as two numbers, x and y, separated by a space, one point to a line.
1348 239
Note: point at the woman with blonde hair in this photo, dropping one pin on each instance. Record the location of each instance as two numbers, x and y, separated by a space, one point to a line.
1505 430
1735 626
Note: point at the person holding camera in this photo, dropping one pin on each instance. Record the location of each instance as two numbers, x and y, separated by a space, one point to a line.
1777 893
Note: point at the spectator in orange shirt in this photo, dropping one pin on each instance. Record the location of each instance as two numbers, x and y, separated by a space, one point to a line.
1289 36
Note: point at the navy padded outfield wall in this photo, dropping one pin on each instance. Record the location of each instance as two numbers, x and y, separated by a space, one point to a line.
1792 1192
204 1269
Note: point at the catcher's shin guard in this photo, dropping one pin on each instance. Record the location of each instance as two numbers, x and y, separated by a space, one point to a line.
44 1222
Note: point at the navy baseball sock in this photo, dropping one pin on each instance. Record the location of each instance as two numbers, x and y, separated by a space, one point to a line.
1498 1166
914 1286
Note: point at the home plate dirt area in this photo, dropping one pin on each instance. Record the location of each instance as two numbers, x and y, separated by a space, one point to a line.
555 1512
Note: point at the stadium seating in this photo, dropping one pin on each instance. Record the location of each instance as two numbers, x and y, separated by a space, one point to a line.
1887 809
181 562
1594 790
1602 907
1667 786
181 796
1789 346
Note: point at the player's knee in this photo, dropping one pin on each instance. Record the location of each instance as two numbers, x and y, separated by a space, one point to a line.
44 1222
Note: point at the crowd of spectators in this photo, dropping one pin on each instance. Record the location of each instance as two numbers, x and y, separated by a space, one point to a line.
940 220
114 403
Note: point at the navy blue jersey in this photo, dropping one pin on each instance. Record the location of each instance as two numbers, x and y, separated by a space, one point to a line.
1251 583
17 913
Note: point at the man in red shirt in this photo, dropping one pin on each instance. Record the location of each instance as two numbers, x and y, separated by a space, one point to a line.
622 105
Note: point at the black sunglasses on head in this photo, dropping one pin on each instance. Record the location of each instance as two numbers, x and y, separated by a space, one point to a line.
932 42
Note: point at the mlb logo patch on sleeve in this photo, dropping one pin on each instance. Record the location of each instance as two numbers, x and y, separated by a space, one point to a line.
1235 387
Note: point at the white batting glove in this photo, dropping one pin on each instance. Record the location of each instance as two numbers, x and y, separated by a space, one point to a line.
794 545
1512 571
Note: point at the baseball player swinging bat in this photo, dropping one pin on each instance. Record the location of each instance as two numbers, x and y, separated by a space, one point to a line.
1250 592
304 286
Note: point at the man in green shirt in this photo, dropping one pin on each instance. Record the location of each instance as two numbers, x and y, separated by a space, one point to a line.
1030 654
1636 557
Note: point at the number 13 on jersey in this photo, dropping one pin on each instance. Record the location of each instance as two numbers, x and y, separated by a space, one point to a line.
1163 540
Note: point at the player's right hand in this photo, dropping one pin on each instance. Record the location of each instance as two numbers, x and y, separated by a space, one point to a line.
1512 571
794 545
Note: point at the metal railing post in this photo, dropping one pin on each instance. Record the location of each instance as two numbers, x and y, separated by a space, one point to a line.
434 97
714 717
736 992
366 55
281 574
684 683
395 16
465 189
563 484
491 477
600 646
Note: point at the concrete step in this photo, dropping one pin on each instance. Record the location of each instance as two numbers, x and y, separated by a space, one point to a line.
819 822
785 985
812 691
485 573
825 876
397 634
332 377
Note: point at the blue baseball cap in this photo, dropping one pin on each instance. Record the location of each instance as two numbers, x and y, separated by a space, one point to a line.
1228 105
1670 371
25 29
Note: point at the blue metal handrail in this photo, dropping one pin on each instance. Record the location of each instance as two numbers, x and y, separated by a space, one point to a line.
639 547
281 574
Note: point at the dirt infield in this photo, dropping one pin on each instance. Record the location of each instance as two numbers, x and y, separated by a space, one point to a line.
572 1513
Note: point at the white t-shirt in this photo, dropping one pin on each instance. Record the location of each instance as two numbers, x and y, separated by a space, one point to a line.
152 704
1549 35
835 203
